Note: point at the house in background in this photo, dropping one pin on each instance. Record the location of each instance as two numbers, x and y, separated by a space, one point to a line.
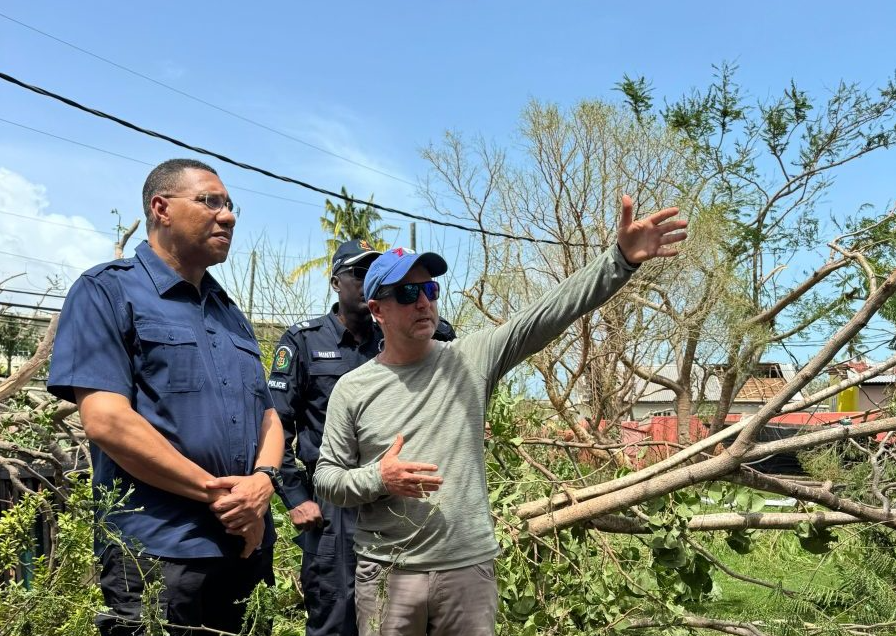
650 399
869 395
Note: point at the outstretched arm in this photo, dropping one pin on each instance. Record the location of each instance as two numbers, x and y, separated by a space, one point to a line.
498 350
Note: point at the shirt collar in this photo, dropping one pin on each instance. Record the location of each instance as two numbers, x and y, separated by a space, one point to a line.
343 335
165 278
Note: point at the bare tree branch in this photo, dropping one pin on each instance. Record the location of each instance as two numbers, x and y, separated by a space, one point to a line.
128 233
24 373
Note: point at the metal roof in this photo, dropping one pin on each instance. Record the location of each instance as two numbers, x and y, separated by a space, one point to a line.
761 388
886 378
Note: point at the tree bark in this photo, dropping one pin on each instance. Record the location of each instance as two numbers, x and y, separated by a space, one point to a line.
25 372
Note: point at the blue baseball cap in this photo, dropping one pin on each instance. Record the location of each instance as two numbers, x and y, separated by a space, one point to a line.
394 265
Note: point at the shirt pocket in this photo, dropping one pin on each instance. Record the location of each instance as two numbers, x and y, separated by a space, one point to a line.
251 370
171 359
323 374
254 390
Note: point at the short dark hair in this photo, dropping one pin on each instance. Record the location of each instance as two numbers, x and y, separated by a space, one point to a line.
165 177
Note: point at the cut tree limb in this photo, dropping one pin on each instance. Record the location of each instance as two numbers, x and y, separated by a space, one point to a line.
732 521
119 246
24 373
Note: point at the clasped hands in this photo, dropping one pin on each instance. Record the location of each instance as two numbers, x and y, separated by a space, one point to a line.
240 503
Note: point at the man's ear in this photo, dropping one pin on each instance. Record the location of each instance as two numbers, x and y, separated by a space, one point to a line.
334 283
161 216
375 311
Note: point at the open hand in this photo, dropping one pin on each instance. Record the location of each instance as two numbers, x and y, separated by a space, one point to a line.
647 238
403 478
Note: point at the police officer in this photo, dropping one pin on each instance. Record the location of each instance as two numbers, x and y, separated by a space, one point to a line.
170 388
310 357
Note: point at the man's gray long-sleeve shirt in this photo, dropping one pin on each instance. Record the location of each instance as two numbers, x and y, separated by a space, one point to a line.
439 404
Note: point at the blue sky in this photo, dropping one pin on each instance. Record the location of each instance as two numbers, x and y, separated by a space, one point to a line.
373 82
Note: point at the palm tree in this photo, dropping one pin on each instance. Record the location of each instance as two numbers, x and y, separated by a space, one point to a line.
344 221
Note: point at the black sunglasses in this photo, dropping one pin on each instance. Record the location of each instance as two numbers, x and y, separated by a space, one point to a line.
408 293
354 272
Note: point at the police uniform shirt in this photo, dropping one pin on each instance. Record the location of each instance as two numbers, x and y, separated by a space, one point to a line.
310 357
188 362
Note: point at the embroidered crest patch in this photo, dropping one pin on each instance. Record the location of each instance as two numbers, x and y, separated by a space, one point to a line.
282 358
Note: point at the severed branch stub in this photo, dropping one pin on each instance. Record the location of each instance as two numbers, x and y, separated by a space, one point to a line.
128 233
24 373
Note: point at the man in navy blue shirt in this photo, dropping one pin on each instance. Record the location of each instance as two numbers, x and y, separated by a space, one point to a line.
171 391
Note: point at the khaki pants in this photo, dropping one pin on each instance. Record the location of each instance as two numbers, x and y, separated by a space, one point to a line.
395 602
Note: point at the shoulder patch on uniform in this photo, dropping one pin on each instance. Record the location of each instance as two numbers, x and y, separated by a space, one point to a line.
121 263
302 325
278 385
283 358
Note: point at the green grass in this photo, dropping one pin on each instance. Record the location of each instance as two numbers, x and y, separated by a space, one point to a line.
777 558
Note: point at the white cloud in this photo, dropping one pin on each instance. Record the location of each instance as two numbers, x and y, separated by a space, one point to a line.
40 244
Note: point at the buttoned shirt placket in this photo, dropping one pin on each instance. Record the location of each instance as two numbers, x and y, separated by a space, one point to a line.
229 386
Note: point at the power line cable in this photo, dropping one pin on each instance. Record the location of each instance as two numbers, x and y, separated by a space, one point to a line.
39 260
65 225
268 173
30 293
11 317
207 103
4 303
72 141
230 186
146 163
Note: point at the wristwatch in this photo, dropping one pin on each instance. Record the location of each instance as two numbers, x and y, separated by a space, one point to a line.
274 475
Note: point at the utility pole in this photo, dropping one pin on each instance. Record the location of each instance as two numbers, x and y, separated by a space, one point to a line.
251 283
413 236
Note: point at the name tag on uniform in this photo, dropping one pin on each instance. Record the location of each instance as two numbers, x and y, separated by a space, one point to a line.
326 355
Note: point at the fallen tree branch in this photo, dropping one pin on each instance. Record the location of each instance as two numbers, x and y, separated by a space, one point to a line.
25 372
631 489
544 441
542 506
835 433
709 556
547 473
702 622
853 326
546 504
830 391
616 524
828 499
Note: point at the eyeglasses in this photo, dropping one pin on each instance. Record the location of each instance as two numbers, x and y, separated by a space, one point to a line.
213 201
354 272
408 293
